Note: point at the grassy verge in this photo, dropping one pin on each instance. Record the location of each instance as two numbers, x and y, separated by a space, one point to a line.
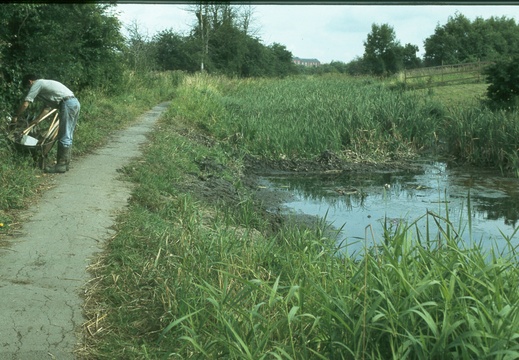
185 278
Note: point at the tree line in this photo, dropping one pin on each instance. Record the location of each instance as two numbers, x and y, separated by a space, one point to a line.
219 42
82 45
460 40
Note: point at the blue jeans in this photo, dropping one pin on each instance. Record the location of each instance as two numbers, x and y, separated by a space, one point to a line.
68 116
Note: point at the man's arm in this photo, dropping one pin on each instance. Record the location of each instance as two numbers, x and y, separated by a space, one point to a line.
21 110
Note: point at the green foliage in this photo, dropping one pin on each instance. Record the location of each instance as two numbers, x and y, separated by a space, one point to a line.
409 58
221 42
460 40
174 52
76 44
503 77
483 137
281 63
384 55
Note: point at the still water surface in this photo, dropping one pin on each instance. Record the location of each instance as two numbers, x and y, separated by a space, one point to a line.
361 203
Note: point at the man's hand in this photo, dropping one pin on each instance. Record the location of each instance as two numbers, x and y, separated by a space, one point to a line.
21 110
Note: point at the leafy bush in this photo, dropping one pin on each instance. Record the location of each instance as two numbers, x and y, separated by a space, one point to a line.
503 77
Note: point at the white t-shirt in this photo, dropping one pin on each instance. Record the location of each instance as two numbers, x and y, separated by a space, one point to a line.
51 92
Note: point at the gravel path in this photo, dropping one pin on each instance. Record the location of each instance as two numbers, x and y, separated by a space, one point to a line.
43 271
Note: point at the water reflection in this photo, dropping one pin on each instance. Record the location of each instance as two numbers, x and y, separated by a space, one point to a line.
356 202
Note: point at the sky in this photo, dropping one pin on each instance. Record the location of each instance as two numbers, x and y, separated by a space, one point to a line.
323 32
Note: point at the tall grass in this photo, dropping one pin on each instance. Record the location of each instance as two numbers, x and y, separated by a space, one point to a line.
483 137
187 279
305 116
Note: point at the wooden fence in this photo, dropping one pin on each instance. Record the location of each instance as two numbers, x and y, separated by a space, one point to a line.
445 74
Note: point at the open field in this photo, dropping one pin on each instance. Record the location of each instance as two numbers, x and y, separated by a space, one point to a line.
465 95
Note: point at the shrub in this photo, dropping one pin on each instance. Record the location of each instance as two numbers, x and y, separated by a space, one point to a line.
503 77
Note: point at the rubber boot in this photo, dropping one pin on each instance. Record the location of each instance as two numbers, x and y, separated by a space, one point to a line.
68 156
61 163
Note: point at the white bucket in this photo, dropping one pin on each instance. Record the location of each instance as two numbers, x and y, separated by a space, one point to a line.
28 140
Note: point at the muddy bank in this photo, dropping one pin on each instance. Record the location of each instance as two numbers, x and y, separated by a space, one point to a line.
210 186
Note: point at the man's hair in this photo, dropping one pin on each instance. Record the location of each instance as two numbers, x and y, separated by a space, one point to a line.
27 78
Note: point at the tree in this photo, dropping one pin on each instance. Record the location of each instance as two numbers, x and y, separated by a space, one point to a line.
503 36
173 52
256 59
139 51
461 40
409 58
223 38
78 44
448 44
503 77
281 60
228 44
382 52
12 20
210 17
356 66
246 19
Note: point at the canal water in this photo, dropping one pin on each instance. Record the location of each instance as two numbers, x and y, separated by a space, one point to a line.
481 205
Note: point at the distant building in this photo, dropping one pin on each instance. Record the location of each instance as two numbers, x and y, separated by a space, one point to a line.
306 62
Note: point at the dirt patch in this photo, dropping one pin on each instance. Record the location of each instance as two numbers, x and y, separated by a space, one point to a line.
324 163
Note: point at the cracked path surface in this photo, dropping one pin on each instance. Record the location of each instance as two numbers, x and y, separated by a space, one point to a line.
44 270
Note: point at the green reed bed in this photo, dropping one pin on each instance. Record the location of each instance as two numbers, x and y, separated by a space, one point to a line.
483 137
305 116
186 279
